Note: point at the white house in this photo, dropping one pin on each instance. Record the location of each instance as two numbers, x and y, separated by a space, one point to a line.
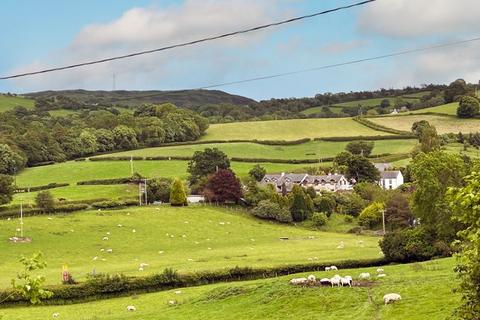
330 182
391 179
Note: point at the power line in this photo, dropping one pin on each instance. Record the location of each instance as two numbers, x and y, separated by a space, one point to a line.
184 44
329 66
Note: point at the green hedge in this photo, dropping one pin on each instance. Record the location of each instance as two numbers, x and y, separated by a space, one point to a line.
368 138
107 286
37 211
105 181
39 188
110 204
378 127
113 158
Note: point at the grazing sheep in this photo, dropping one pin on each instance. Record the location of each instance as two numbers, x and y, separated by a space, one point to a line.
178 291
311 278
172 302
108 233
95 258
391 297
325 281
133 230
346 281
161 252
140 269
341 245
298 280
105 238
380 270
364 275
311 237
49 218
109 250
56 315
119 225
101 250
328 268
335 281
333 268
143 264
381 275
131 308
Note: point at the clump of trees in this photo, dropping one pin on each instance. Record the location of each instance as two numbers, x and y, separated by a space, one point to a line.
468 107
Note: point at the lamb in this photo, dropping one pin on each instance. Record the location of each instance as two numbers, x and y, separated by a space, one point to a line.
56 315
380 270
325 281
298 280
391 297
131 308
364 275
311 278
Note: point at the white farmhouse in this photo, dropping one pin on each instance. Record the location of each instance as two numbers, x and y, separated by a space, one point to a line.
391 179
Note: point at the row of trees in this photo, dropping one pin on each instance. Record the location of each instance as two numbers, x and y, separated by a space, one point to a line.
32 137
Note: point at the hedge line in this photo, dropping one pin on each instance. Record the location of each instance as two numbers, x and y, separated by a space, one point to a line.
368 138
106 286
39 188
106 181
37 211
378 127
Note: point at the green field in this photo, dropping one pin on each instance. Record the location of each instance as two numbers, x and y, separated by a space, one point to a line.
188 239
7 103
426 290
449 109
309 150
444 124
75 193
289 129
72 171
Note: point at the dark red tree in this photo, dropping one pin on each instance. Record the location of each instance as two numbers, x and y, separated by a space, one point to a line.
223 186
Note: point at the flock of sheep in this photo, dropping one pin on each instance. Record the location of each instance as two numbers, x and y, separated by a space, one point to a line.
346 281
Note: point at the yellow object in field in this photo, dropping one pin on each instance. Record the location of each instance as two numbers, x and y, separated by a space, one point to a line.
65 267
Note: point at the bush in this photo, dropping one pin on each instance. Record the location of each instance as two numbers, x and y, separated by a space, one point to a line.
324 203
267 209
412 244
371 215
106 181
319 219
40 188
44 200
348 219
351 204
468 107
108 204
178 195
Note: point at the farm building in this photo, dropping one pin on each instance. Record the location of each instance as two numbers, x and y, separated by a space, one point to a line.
389 179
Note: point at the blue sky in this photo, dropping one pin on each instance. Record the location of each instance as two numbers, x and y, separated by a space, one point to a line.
41 34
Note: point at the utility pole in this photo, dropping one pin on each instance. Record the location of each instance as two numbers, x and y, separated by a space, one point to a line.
383 220
139 193
131 166
145 190
21 220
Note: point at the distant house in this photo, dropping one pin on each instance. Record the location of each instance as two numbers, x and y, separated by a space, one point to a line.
389 179
285 182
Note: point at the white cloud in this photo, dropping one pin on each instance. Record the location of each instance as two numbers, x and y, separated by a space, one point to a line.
413 18
144 28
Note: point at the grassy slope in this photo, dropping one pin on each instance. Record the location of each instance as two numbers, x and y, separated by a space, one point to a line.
288 129
444 124
7 103
425 289
71 172
74 193
234 238
449 109
309 150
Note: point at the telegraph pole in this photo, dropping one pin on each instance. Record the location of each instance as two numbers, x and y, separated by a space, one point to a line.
21 220
145 190
131 166
383 220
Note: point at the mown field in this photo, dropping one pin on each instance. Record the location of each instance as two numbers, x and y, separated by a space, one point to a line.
186 239
444 124
449 109
309 150
7 103
289 129
426 290
72 171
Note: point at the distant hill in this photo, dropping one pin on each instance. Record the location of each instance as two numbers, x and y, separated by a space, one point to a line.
182 98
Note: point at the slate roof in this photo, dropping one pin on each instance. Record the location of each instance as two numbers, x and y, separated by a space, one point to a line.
389 174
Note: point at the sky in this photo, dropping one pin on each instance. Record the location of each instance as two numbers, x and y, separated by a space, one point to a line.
50 33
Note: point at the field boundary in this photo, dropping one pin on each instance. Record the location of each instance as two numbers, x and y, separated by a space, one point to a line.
371 125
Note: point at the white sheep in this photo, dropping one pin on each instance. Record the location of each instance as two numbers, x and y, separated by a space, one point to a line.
172 302
380 270
109 250
95 258
140 269
131 308
381 275
346 281
56 315
143 264
341 245
364 275
298 280
105 238
311 278
327 268
391 297
178 291
336 280
333 268
108 233
133 230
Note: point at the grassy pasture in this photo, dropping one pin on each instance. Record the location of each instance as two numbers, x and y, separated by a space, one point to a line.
74 193
7 103
309 150
444 124
187 239
288 129
425 289
449 109
72 172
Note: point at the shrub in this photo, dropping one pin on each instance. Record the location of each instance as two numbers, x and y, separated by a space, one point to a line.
301 206
412 244
178 195
319 219
324 203
108 204
468 107
371 215
40 188
351 204
348 219
360 147
44 200
267 209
